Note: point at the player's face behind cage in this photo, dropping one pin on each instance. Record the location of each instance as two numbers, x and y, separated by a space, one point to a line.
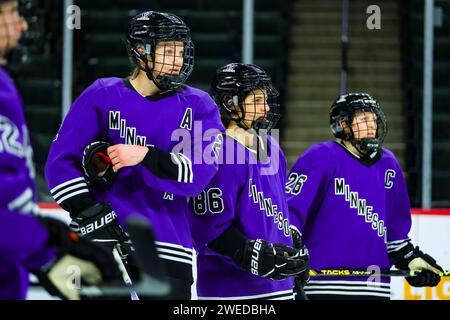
12 25
160 45
367 130
169 60
260 109
363 126
245 96
256 109
358 118
171 64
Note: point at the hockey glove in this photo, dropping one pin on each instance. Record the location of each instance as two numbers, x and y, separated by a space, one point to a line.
77 261
98 223
301 279
96 163
273 261
411 258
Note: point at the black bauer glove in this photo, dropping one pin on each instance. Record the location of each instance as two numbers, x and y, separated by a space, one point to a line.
272 261
301 279
411 258
99 223
77 260
97 166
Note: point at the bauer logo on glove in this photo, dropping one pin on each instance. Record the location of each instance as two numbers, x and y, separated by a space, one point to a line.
97 164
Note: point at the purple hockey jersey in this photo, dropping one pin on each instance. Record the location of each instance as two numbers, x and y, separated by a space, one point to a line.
248 195
22 238
350 213
183 124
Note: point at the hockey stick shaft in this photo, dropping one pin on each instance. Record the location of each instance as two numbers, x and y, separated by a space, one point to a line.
365 273
123 270
152 282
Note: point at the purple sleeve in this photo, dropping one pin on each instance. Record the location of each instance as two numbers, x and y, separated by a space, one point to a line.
196 157
214 210
25 239
81 126
398 208
305 186
16 165
16 187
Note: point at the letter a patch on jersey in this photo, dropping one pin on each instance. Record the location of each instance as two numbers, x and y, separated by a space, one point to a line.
186 123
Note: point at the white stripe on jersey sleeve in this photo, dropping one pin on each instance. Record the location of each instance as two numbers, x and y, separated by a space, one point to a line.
62 185
393 246
70 195
180 166
189 176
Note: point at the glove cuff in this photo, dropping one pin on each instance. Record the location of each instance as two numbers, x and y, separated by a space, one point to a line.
230 243
403 257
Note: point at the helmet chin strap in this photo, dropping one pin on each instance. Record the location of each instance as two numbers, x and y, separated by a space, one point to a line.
368 148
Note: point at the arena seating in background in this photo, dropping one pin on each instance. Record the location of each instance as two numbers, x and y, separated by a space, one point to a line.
216 31
413 65
374 66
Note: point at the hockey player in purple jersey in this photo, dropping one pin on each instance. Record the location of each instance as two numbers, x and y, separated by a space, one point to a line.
240 222
350 201
43 246
161 135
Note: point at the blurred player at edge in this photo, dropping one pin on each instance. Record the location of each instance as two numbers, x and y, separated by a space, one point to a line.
29 243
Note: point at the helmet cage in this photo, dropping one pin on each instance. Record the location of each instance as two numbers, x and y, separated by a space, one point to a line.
345 112
230 91
149 29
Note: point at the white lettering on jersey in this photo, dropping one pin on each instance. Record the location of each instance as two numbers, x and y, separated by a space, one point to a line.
295 183
115 122
361 206
388 177
271 210
168 196
10 143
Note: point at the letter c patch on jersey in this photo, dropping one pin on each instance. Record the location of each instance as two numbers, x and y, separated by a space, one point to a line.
388 179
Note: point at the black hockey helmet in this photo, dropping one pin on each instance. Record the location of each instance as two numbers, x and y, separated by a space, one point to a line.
232 84
344 109
148 28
